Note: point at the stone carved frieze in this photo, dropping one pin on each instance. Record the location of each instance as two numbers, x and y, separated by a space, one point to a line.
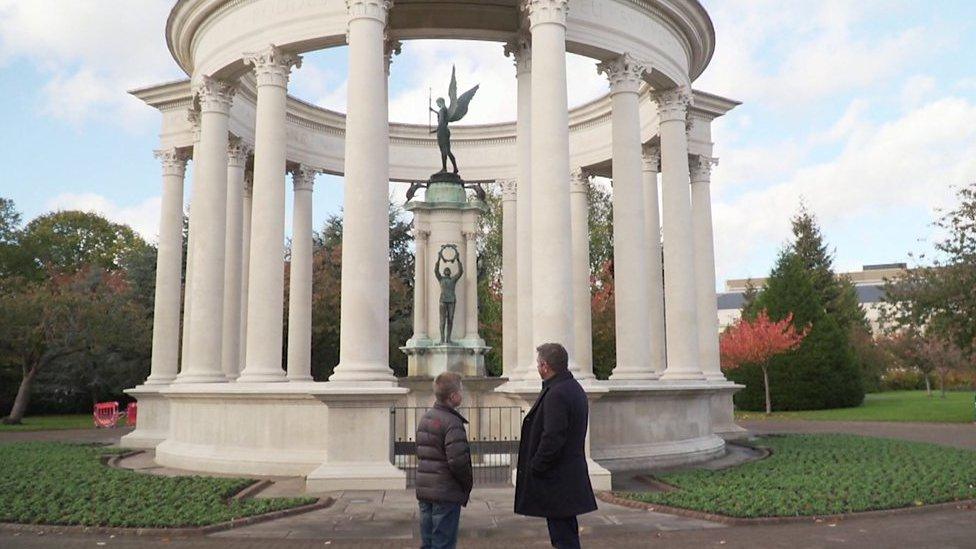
625 73
701 168
214 95
672 104
651 158
509 188
173 161
546 11
303 177
272 66
579 180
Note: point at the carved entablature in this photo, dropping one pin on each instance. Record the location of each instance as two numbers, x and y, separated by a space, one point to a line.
391 47
579 180
509 188
625 73
651 158
546 11
672 104
214 95
701 168
272 66
172 160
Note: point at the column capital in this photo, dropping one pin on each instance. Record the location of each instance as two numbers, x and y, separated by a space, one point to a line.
237 152
651 158
519 48
303 177
193 117
579 180
509 188
701 168
173 161
391 47
369 9
625 73
214 95
272 66
420 235
248 183
470 236
546 11
672 104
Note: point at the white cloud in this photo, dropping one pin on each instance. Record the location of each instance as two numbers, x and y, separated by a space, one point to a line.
90 53
143 216
909 162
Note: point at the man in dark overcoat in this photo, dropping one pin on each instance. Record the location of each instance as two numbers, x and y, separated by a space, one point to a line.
552 479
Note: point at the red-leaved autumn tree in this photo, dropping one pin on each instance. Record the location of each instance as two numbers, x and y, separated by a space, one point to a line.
756 342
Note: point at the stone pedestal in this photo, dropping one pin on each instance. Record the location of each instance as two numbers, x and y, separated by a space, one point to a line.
446 216
723 412
152 423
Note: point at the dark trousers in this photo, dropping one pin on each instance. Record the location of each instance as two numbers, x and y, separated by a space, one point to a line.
563 532
439 524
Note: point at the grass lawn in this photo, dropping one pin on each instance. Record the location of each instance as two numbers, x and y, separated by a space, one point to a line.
56 483
51 423
956 407
826 474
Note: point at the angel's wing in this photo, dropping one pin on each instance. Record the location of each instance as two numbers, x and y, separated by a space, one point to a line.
461 108
452 91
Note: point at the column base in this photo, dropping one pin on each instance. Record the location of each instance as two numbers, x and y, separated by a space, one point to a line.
624 377
600 478
299 378
200 378
355 374
354 475
159 380
682 376
262 377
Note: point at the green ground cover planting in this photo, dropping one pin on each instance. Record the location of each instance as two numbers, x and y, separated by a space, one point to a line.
51 423
56 483
825 475
957 407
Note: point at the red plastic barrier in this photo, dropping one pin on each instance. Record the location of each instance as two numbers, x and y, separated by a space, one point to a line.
106 414
131 411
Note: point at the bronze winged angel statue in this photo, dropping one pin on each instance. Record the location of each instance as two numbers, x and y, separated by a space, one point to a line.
447 114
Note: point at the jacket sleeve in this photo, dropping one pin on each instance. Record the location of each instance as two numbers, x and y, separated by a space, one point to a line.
555 414
459 455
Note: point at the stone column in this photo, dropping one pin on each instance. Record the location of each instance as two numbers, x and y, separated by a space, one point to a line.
552 313
237 155
420 237
510 335
207 227
169 264
655 279
681 302
364 340
300 279
524 368
471 286
701 218
193 117
579 214
245 262
266 284
629 254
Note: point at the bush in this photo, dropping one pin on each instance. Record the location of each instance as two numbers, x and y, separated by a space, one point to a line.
902 379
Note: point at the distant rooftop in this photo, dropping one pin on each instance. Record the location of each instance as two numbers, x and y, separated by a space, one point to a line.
869 275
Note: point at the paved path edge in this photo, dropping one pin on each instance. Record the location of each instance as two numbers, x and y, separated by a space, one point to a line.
610 497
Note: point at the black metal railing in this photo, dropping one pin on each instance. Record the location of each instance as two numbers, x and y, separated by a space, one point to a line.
493 434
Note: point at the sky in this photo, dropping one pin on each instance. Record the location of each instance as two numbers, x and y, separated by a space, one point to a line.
864 110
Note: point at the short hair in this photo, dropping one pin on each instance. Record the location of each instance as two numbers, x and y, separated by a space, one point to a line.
445 385
554 355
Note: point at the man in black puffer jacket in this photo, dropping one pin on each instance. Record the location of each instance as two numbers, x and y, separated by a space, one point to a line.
444 475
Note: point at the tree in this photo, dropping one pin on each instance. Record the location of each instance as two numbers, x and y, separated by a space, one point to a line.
757 341
938 298
66 317
945 358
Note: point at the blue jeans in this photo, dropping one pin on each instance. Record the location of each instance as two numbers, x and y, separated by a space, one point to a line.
439 524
